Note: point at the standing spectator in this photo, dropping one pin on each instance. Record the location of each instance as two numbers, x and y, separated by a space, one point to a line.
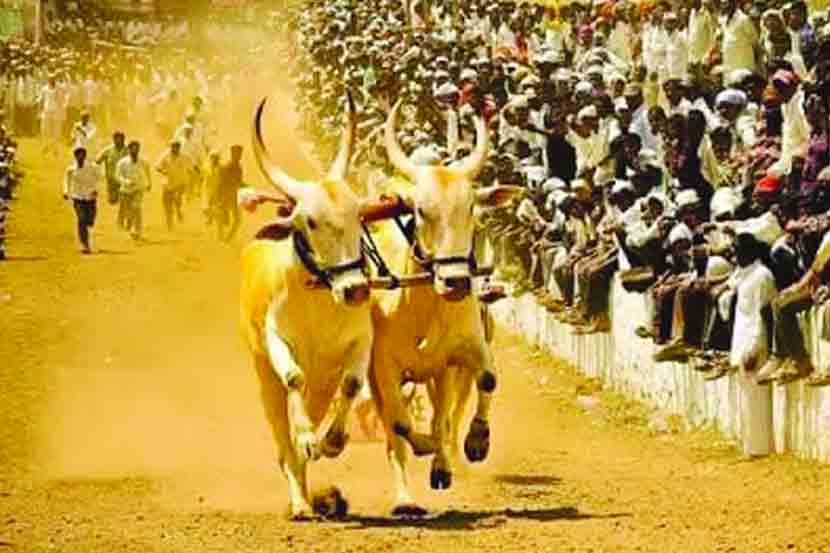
80 185
754 288
740 42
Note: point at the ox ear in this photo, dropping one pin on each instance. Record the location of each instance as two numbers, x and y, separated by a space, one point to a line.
278 229
497 196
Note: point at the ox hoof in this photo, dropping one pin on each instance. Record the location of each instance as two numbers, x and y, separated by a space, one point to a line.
408 511
487 382
330 504
477 443
334 443
440 478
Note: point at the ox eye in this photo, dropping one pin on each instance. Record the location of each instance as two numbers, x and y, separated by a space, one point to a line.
312 224
421 213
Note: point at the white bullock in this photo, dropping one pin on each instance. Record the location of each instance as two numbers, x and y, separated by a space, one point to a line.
308 343
435 334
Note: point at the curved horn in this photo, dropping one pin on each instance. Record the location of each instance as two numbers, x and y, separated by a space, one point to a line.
340 167
393 149
271 170
474 163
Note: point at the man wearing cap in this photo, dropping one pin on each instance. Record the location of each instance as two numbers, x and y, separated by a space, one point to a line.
679 272
133 174
177 170
80 185
795 132
595 271
753 287
592 147
639 116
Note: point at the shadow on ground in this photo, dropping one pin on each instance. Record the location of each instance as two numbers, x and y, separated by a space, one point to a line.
472 520
527 480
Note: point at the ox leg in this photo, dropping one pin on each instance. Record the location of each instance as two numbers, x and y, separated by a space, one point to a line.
440 476
274 401
332 432
388 398
477 442
463 390
293 378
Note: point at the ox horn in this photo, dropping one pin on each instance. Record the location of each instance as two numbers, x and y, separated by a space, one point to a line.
340 167
474 163
280 180
393 149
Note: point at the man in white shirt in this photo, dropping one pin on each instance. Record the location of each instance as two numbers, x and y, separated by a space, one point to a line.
178 170
52 115
740 41
80 184
701 31
133 174
677 48
84 132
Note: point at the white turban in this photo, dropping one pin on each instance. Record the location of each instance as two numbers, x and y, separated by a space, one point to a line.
587 112
680 232
686 198
584 87
725 200
553 184
732 97
425 155
621 186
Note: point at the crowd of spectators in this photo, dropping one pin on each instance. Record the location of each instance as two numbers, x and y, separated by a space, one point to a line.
682 147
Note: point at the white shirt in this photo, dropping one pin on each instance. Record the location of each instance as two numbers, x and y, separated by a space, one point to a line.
795 134
701 34
755 289
83 136
133 176
81 183
740 37
677 55
177 170
49 100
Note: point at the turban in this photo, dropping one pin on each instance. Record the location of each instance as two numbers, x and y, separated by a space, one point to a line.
680 232
687 198
731 96
587 112
724 201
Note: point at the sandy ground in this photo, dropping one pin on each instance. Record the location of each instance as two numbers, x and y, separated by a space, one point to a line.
130 421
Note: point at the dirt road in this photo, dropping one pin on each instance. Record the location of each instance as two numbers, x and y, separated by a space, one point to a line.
130 421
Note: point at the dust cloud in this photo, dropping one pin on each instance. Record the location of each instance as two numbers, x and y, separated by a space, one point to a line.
150 377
